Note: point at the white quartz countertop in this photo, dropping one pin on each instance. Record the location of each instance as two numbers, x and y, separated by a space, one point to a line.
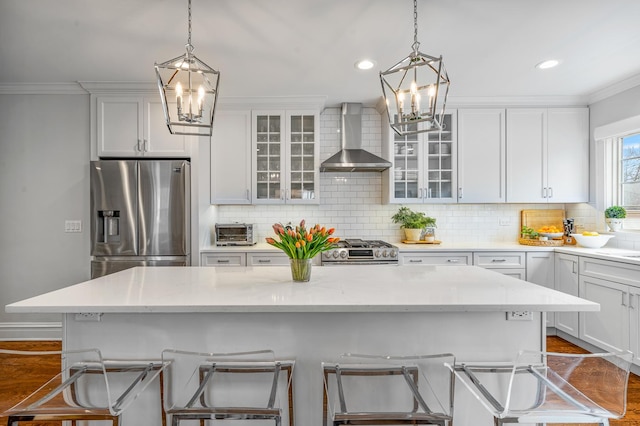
331 289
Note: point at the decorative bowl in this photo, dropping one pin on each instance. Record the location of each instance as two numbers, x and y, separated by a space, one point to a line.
592 241
552 234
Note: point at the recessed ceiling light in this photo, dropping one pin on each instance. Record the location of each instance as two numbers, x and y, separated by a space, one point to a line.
547 64
365 64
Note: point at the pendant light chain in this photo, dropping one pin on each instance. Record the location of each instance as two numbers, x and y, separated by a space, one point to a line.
189 39
416 44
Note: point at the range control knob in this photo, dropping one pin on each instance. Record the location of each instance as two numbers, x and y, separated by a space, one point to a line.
385 253
377 253
393 253
335 254
343 254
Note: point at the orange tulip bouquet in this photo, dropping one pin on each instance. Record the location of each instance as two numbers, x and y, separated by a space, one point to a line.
302 245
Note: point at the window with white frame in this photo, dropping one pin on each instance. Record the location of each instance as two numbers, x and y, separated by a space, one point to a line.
622 176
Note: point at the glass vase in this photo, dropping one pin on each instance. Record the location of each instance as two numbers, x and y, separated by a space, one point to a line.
301 269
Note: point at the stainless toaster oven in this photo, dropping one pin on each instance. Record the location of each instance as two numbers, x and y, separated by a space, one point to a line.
234 234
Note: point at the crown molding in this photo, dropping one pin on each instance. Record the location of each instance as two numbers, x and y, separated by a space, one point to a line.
517 101
614 89
110 87
41 89
291 102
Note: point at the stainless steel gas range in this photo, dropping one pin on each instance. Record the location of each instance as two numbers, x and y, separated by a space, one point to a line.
361 252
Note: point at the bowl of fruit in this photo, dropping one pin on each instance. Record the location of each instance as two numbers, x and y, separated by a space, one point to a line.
590 239
551 232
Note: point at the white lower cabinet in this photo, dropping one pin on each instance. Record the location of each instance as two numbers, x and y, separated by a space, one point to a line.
609 328
436 258
540 270
616 287
511 263
566 281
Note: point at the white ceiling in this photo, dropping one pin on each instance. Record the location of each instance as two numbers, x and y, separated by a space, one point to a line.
305 47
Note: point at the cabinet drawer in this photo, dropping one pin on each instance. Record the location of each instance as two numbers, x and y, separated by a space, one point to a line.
223 259
612 271
435 258
512 272
498 260
267 259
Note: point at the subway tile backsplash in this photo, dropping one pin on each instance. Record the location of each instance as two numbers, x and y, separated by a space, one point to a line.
352 203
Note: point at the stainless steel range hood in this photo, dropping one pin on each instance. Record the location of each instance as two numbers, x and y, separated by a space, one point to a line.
352 158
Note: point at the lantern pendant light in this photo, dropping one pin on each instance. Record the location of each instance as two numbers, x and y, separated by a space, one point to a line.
415 90
189 91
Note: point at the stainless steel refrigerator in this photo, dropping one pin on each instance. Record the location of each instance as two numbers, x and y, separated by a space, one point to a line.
140 214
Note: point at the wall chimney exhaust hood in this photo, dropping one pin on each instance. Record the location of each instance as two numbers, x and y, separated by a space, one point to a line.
352 158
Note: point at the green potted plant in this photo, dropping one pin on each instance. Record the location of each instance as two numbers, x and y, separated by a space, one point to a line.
412 222
614 216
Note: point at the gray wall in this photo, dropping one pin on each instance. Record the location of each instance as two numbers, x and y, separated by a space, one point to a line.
44 179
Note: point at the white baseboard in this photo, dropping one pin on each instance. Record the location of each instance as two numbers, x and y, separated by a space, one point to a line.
31 331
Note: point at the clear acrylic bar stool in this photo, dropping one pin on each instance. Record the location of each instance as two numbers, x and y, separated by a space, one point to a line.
88 387
550 387
227 386
383 390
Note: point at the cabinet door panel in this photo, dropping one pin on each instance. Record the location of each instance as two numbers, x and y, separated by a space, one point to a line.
568 155
566 281
526 135
607 329
634 324
119 126
481 155
540 270
231 158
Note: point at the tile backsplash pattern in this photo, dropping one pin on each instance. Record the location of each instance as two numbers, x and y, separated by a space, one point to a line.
588 219
352 202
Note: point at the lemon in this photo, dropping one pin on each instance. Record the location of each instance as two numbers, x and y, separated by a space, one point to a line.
590 234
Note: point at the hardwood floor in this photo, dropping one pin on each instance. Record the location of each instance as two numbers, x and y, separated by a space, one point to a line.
14 388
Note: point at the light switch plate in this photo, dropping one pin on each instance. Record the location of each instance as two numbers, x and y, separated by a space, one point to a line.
72 226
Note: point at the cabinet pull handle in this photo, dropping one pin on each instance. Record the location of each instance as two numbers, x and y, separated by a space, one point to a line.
631 302
248 195
550 192
420 193
264 260
623 299
453 260
223 260
138 146
498 260
415 260
544 192
460 192
144 145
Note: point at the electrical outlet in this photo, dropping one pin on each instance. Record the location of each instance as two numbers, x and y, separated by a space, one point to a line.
519 316
88 316
503 221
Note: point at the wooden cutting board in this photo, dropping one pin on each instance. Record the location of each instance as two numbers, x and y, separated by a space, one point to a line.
536 219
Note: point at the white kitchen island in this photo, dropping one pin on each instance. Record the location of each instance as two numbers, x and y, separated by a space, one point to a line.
360 309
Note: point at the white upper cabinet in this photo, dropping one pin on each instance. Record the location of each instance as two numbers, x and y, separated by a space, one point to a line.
231 158
481 155
547 155
423 166
286 148
134 126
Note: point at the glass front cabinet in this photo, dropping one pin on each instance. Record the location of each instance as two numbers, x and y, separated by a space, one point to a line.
286 152
424 165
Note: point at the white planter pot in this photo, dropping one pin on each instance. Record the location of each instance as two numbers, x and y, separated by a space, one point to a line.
412 234
614 224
